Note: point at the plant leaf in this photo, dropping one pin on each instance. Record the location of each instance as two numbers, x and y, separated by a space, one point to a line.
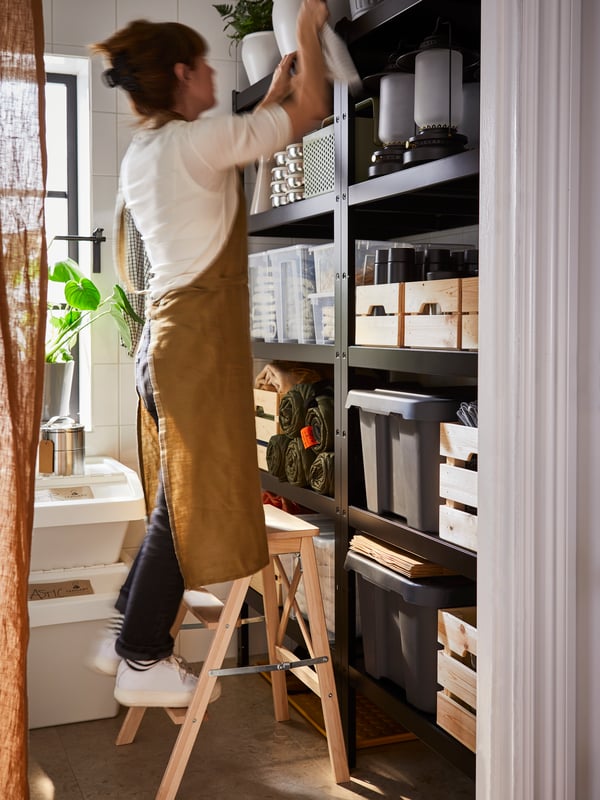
63 271
123 327
82 294
122 301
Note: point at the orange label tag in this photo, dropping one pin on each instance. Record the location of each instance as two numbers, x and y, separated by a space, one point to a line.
308 437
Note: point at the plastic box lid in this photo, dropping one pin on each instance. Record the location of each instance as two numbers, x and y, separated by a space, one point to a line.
438 592
108 491
58 609
408 405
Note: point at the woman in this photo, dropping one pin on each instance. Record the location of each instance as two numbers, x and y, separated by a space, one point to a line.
180 181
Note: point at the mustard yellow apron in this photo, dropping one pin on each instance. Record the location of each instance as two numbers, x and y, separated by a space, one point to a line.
201 369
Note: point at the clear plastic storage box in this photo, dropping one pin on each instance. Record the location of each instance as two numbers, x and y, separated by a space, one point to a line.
364 258
325 266
294 278
324 317
263 317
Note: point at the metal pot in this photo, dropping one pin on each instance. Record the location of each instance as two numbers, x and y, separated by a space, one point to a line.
67 439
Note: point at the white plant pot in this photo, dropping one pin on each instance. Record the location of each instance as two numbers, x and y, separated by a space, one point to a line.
285 13
260 55
58 380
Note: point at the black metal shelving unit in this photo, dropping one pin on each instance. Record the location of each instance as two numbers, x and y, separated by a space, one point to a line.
433 196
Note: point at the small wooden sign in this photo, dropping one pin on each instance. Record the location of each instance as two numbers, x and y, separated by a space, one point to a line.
58 590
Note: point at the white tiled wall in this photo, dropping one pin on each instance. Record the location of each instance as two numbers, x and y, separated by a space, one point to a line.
70 27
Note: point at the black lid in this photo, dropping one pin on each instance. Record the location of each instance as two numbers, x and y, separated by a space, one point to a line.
405 255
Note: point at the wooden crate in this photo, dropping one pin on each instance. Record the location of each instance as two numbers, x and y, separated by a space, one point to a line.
383 329
470 314
458 484
266 419
432 314
457 674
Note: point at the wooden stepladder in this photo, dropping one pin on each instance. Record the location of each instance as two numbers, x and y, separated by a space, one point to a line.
285 534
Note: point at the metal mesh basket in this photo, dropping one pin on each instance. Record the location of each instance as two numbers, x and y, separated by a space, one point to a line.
319 161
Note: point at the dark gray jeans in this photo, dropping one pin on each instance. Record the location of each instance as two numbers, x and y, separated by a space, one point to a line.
151 595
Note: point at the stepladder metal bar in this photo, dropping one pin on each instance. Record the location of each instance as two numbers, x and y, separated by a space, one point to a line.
281 666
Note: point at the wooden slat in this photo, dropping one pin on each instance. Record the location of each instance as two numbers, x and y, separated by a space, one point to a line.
388 296
457 678
458 441
457 629
265 428
459 527
470 295
382 331
204 606
420 295
458 484
266 404
456 720
470 332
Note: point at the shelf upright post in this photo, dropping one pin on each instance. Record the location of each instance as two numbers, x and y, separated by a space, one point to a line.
344 594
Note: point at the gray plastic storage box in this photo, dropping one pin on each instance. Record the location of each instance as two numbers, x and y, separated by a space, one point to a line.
400 435
399 624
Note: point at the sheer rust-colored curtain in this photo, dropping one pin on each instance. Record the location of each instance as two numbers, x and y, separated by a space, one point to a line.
23 285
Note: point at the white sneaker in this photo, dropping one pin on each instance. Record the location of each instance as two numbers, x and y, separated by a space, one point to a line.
104 657
168 683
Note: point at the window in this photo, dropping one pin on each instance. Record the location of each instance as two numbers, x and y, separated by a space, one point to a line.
68 187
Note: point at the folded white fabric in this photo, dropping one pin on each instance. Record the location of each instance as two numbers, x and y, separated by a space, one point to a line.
338 60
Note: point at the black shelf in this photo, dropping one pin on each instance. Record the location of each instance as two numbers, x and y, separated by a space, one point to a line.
392 530
428 362
392 699
305 353
460 170
376 33
305 497
309 218
425 198
248 98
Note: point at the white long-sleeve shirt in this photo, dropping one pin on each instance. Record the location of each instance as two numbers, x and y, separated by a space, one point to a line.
180 183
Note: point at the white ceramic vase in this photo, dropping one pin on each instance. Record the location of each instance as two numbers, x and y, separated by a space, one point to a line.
259 54
285 13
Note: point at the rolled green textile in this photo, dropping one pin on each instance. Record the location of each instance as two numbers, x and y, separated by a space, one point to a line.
295 403
276 449
320 417
292 408
321 477
298 462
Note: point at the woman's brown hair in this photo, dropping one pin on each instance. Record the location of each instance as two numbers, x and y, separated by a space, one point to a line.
142 56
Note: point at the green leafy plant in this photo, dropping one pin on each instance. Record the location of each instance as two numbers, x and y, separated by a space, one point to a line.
246 16
83 305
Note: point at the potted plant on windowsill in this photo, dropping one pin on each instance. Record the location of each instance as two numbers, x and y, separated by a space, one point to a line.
250 23
83 304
